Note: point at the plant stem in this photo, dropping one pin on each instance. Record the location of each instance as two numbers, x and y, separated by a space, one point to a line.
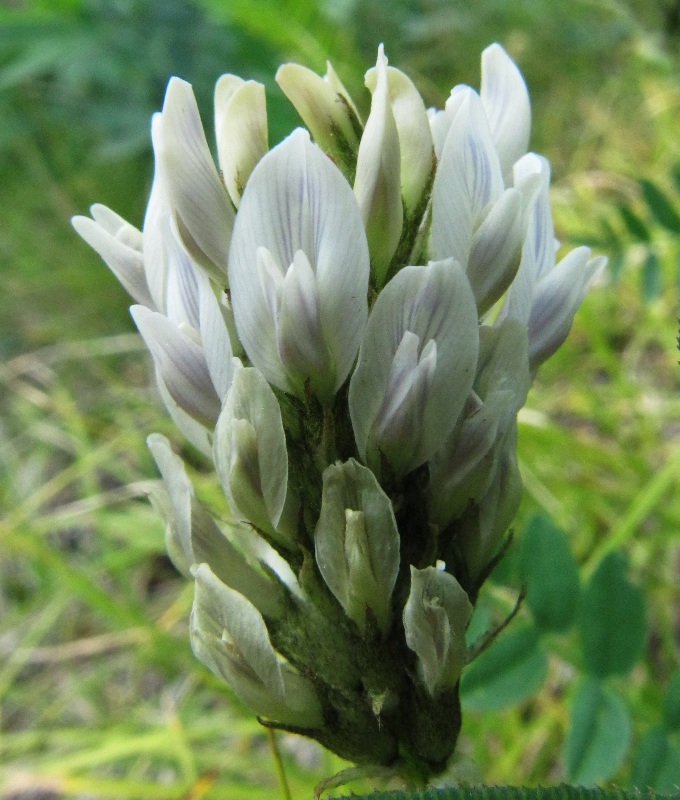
278 764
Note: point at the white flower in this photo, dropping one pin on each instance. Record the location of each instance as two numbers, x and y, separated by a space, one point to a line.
545 295
416 365
474 218
200 205
298 270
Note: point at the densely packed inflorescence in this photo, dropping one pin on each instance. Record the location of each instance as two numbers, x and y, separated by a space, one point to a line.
347 325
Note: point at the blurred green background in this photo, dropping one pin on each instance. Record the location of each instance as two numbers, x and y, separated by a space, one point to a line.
99 693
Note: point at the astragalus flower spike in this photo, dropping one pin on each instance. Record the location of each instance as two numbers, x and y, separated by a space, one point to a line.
347 324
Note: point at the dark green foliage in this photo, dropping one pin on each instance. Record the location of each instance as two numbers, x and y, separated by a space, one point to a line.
611 620
599 734
550 573
511 670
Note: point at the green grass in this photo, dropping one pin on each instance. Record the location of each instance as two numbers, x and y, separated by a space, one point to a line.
100 695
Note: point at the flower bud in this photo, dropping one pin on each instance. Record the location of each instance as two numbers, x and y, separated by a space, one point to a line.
240 130
229 635
327 110
377 185
435 617
250 454
357 542
192 536
416 151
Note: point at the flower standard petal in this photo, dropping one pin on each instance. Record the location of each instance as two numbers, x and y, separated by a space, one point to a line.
425 381
297 201
468 178
240 130
506 103
203 213
377 184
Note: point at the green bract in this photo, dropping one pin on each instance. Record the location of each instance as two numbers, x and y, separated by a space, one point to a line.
347 325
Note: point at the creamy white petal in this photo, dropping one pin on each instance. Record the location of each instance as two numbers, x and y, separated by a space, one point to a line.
158 208
240 130
215 337
297 200
468 179
433 303
182 365
202 210
181 297
506 103
377 184
325 110
416 150
126 262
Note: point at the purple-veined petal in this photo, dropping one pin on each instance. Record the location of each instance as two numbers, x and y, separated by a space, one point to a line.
182 365
468 179
506 102
556 299
201 207
435 306
297 200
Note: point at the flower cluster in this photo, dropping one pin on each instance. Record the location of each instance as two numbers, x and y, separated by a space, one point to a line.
347 325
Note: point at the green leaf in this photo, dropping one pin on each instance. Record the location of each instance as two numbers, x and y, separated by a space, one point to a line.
636 227
671 715
657 762
611 620
598 736
661 207
650 277
511 669
550 573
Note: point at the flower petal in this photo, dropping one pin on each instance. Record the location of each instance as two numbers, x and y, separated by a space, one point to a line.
468 179
181 363
377 184
416 151
240 129
506 102
203 213
126 262
297 200
434 303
